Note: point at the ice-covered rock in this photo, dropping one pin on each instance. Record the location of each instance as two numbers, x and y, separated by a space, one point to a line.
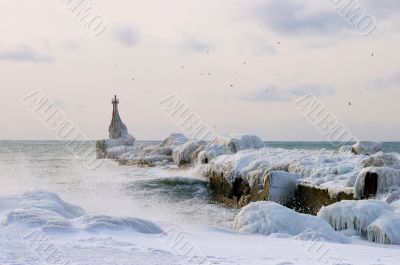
372 219
211 151
269 218
381 159
186 154
366 148
236 143
377 181
174 140
281 186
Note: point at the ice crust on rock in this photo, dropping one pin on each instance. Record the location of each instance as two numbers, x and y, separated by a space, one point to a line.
186 154
236 143
174 140
282 186
48 212
366 148
326 169
269 218
374 220
388 181
382 159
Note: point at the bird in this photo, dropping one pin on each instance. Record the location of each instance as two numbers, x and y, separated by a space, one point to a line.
278 43
209 73
372 54
244 62
116 65
231 85
133 79
208 51
182 66
349 103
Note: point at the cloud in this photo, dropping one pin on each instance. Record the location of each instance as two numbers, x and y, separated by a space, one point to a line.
195 44
25 54
295 17
382 83
272 93
127 36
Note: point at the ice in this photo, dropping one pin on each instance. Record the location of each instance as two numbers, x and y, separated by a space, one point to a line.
269 218
381 159
282 186
236 143
388 180
174 140
375 220
98 223
366 148
48 212
327 169
187 153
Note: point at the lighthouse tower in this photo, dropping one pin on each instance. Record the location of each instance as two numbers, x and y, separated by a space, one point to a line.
117 128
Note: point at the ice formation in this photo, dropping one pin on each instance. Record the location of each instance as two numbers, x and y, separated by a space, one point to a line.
270 218
174 140
381 159
187 153
281 185
384 181
366 148
236 143
375 220
46 211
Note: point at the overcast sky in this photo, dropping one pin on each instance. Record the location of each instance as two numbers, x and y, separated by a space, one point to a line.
238 64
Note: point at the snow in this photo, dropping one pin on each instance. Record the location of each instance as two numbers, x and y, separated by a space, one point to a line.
375 220
268 218
366 148
388 181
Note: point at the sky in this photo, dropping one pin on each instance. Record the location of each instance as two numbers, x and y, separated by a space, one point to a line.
238 64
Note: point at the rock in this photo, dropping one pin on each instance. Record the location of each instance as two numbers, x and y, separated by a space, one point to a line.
240 142
187 153
366 148
174 140
374 181
381 159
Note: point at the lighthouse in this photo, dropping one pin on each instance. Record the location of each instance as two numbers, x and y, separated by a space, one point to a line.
117 128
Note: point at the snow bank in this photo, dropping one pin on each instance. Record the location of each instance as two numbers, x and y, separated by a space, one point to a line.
387 181
269 218
187 153
366 148
375 220
46 211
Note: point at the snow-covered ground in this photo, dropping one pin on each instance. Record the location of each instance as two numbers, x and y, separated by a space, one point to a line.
54 211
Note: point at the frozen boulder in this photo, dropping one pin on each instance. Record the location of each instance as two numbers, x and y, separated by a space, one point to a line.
237 143
381 159
376 181
281 186
366 148
174 140
374 220
187 153
211 151
268 218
